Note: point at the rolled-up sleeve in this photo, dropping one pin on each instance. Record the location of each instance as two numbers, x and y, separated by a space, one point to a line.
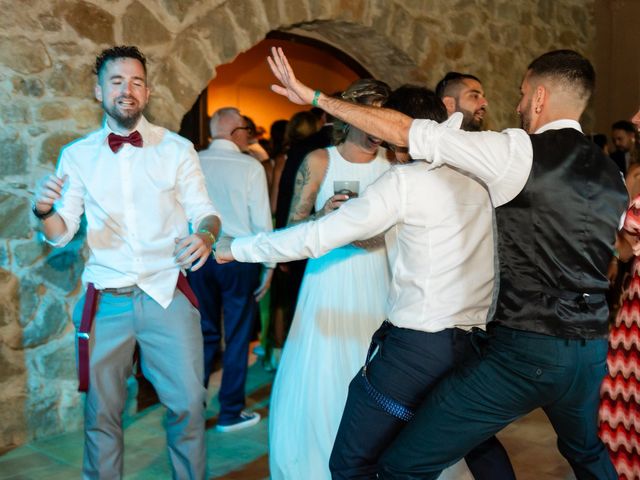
192 191
502 160
379 207
70 206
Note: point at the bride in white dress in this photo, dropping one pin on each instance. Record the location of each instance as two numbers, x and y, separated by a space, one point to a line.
342 302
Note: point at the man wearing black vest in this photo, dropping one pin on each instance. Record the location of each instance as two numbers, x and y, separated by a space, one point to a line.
561 200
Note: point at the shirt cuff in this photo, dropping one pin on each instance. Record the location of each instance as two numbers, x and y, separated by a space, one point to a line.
424 136
63 239
242 249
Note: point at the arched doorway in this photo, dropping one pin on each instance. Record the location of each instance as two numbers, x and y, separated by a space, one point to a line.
244 83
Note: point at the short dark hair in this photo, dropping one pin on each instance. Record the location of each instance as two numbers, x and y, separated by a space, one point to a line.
451 81
417 102
625 125
120 51
568 67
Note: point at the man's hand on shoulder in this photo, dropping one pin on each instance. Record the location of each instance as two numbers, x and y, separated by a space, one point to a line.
223 250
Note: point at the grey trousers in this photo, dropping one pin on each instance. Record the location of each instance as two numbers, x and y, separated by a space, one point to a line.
171 359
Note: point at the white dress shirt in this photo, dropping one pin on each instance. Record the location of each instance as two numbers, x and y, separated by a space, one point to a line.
237 184
502 160
137 202
442 254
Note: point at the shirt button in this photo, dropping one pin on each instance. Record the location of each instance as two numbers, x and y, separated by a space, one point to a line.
539 372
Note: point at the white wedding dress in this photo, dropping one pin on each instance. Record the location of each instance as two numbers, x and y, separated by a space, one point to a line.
342 302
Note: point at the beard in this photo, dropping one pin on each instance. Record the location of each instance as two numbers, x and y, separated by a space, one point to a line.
525 118
126 120
469 121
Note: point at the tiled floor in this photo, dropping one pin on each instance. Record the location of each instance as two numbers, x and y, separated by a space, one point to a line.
243 455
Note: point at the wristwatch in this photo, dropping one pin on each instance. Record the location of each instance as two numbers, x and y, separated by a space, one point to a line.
42 216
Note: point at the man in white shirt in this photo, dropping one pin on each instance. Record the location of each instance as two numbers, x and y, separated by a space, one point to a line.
435 298
557 217
140 187
463 92
237 185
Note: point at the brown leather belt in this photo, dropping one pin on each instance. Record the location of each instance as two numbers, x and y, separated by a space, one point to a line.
89 313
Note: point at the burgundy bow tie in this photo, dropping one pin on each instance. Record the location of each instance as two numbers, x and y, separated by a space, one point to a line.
116 141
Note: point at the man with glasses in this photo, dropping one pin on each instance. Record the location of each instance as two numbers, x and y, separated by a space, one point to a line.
237 184
462 92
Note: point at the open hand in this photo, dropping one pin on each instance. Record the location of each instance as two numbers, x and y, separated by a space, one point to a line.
194 248
49 190
291 88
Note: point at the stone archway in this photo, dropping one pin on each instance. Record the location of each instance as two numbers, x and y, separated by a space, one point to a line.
46 52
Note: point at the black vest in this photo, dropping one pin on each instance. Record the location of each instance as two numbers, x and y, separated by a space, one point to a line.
555 239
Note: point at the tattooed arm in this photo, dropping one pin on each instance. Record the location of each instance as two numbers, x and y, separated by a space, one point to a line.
307 184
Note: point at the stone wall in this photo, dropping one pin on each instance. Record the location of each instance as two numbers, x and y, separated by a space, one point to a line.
47 48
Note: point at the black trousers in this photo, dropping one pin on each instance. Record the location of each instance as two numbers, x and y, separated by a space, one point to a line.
403 366
519 372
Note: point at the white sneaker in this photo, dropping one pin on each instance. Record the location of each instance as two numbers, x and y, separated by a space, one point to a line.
244 420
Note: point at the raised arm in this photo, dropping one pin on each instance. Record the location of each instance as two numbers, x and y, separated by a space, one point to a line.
383 123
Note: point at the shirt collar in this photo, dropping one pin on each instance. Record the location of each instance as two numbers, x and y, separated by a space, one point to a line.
142 127
223 144
559 124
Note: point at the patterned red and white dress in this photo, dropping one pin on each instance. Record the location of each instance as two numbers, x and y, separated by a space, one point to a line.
620 391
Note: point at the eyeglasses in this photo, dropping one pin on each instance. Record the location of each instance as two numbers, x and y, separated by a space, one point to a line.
248 129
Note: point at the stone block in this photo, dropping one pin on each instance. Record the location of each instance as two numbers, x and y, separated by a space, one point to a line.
88 116
174 79
65 81
12 362
177 8
141 27
9 299
4 257
51 320
13 155
12 414
24 55
32 87
50 23
454 50
27 253
51 146
463 23
250 17
31 293
216 28
89 21
273 12
62 268
192 55
15 217
56 360
55 110
67 49
42 405
16 111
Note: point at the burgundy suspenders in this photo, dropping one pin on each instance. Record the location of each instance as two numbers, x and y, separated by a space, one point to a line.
89 313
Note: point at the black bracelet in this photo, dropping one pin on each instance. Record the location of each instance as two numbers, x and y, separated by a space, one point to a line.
42 216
